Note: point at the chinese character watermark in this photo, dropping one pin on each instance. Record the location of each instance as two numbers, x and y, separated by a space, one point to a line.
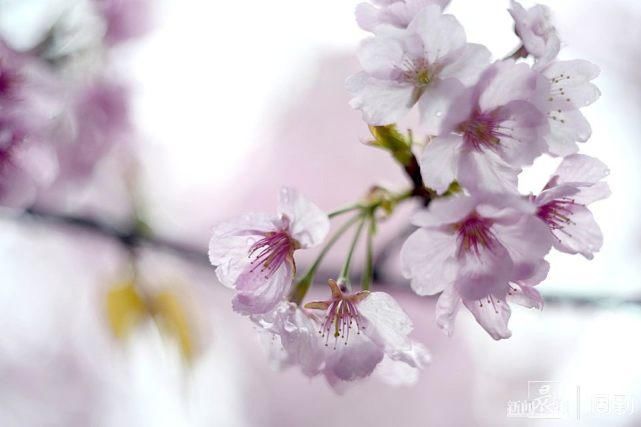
555 400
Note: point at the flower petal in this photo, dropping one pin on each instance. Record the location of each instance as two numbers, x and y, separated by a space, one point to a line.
230 243
527 241
435 101
308 223
441 34
492 314
446 309
439 162
427 259
389 327
485 170
257 292
581 235
466 64
381 102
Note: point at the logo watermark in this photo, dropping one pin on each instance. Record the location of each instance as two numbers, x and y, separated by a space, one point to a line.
556 400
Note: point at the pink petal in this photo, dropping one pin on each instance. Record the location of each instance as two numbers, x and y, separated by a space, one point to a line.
229 245
441 34
381 57
573 77
483 273
487 171
492 314
435 101
389 327
467 64
257 292
446 310
381 102
308 224
525 139
527 241
427 259
439 162
581 169
445 211
581 235
567 127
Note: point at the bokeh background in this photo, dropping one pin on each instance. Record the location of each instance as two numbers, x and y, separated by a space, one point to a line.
229 101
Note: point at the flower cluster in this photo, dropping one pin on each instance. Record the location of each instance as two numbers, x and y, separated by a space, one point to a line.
61 110
479 241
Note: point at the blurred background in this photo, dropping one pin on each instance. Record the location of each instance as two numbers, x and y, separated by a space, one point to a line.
217 105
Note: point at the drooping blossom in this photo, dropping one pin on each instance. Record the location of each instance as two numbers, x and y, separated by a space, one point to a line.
254 254
484 250
534 27
425 64
570 90
562 204
397 13
357 333
490 131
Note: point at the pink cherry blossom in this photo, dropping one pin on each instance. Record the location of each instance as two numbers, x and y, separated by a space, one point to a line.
534 28
570 89
484 250
358 332
254 254
562 204
397 13
490 131
27 160
425 64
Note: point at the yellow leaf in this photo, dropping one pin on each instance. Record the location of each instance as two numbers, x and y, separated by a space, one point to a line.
125 309
173 319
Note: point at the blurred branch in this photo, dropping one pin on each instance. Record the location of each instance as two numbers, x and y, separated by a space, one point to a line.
136 236
130 238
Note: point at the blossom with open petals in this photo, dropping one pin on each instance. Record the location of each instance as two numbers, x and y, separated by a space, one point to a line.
484 250
357 333
254 254
425 64
562 205
490 131
571 89
534 27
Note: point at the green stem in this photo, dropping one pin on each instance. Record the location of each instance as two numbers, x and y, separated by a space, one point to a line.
344 276
344 210
300 290
369 255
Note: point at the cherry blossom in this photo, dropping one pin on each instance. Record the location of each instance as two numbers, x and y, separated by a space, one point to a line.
490 131
534 27
562 204
358 332
425 64
483 250
570 89
254 254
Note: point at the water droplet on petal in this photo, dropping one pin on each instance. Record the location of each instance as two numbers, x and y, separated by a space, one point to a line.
438 114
